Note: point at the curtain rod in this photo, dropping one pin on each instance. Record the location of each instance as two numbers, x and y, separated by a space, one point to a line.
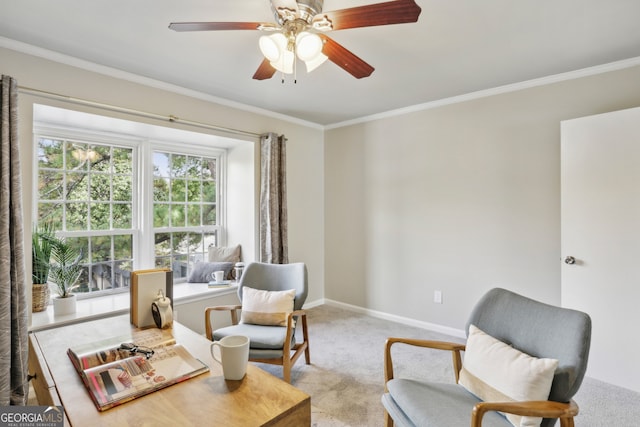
170 118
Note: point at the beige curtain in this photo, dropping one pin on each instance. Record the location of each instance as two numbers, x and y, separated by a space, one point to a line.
13 298
273 199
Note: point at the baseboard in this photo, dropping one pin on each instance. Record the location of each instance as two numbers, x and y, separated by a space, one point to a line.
458 333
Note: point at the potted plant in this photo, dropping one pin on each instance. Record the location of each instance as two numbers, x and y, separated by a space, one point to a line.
40 258
64 271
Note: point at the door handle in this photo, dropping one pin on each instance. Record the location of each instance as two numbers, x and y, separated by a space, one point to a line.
570 260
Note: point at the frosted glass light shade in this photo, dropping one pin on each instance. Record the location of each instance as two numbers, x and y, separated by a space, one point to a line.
308 46
314 63
284 64
272 46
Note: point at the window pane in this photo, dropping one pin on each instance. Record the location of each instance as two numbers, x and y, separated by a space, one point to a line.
195 243
100 249
209 215
210 239
99 157
77 216
77 186
50 153
163 262
161 190
122 160
83 281
163 244
121 274
52 213
122 216
194 166
208 191
180 267
193 191
101 276
161 164
81 245
161 215
178 190
122 188
178 215
178 166
76 156
100 216
90 187
208 169
100 187
51 185
193 212
180 243
123 247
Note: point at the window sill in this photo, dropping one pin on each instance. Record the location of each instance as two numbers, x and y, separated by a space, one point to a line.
117 304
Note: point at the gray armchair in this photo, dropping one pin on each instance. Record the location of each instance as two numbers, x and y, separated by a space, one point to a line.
270 344
534 328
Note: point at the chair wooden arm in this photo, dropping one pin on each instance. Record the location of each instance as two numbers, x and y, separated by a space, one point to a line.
233 309
454 348
291 328
544 409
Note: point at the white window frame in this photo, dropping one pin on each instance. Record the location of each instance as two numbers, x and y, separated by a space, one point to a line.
148 253
142 186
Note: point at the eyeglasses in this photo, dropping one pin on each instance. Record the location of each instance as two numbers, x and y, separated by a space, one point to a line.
132 348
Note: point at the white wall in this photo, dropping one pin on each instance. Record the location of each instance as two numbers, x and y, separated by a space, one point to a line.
458 198
304 152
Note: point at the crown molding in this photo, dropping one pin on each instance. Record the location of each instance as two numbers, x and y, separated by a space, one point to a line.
145 81
542 81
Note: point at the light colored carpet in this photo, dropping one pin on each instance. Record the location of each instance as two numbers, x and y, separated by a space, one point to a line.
345 378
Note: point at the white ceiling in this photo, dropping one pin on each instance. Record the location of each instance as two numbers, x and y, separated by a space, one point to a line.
456 47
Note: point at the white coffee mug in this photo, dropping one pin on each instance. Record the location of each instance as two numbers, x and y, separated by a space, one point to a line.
217 276
234 356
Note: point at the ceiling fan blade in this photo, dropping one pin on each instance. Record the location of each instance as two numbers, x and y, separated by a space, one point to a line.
391 12
345 59
264 71
217 26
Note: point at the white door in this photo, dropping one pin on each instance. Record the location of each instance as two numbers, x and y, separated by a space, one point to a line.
601 232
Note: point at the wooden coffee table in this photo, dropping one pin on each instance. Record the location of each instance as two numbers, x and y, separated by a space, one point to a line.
260 399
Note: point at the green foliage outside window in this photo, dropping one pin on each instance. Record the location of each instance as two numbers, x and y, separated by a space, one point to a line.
88 188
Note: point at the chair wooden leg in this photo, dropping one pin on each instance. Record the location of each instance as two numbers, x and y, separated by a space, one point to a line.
388 421
286 368
566 422
305 338
307 355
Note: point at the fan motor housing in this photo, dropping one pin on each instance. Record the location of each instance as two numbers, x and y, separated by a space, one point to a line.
309 8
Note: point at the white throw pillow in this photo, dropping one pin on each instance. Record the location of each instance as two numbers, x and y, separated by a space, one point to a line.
266 307
496 372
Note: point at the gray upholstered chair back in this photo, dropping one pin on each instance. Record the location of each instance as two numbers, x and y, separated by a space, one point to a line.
540 330
276 277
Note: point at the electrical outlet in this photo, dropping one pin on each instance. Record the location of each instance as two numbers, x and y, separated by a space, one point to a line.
437 297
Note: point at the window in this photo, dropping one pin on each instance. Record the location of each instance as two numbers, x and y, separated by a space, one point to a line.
85 192
92 189
184 209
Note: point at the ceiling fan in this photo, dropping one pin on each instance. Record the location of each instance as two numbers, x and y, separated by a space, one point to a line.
299 31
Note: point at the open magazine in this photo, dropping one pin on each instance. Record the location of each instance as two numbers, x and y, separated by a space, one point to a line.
119 369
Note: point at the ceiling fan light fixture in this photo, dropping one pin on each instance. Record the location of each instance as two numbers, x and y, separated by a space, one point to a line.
273 46
314 63
284 64
308 45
